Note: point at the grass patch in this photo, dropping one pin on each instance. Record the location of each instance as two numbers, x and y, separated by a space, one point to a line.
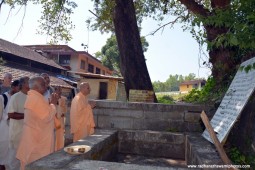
169 97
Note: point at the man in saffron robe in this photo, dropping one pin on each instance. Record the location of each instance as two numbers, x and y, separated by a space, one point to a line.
37 139
81 116
61 111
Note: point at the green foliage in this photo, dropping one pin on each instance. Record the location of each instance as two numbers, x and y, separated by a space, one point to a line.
230 28
193 96
236 156
159 86
247 68
104 10
240 159
110 56
172 83
166 99
239 19
55 20
208 94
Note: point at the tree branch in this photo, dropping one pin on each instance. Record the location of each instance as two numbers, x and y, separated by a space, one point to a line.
106 24
22 21
2 2
163 26
183 18
8 16
195 8
222 4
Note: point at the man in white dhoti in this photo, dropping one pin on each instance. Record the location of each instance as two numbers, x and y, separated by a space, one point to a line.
4 127
16 116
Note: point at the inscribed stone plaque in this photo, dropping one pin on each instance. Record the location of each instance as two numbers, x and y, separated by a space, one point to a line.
141 96
233 102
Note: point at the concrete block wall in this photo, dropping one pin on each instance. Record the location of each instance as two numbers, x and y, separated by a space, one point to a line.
106 143
104 146
148 116
199 151
152 143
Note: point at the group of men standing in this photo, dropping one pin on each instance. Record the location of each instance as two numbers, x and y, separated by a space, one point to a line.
32 120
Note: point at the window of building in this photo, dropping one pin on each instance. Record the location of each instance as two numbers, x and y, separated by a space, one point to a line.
202 83
98 71
91 68
82 65
64 59
187 86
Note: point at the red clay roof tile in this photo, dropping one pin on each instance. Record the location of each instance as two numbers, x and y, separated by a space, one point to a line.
20 71
27 53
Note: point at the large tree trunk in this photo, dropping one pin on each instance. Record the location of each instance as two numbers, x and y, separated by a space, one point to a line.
221 58
223 65
132 61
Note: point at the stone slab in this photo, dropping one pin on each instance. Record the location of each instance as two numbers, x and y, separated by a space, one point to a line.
152 143
146 116
99 165
108 122
200 151
60 159
192 116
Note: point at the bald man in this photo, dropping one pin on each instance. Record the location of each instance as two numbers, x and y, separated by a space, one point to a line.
37 139
81 116
49 89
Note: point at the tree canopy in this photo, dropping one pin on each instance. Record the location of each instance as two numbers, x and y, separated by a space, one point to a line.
225 27
55 20
172 83
236 15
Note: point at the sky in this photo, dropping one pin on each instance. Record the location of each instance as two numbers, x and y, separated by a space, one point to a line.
170 51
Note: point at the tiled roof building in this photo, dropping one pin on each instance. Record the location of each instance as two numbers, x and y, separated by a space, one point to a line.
75 61
187 86
26 53
19 71
21 61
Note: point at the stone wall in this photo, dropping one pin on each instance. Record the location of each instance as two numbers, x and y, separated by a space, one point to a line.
105 144
152 143
149 116
201 152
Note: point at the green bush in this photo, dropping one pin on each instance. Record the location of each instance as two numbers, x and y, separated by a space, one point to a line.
239 158
193 96
166 99
208 94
